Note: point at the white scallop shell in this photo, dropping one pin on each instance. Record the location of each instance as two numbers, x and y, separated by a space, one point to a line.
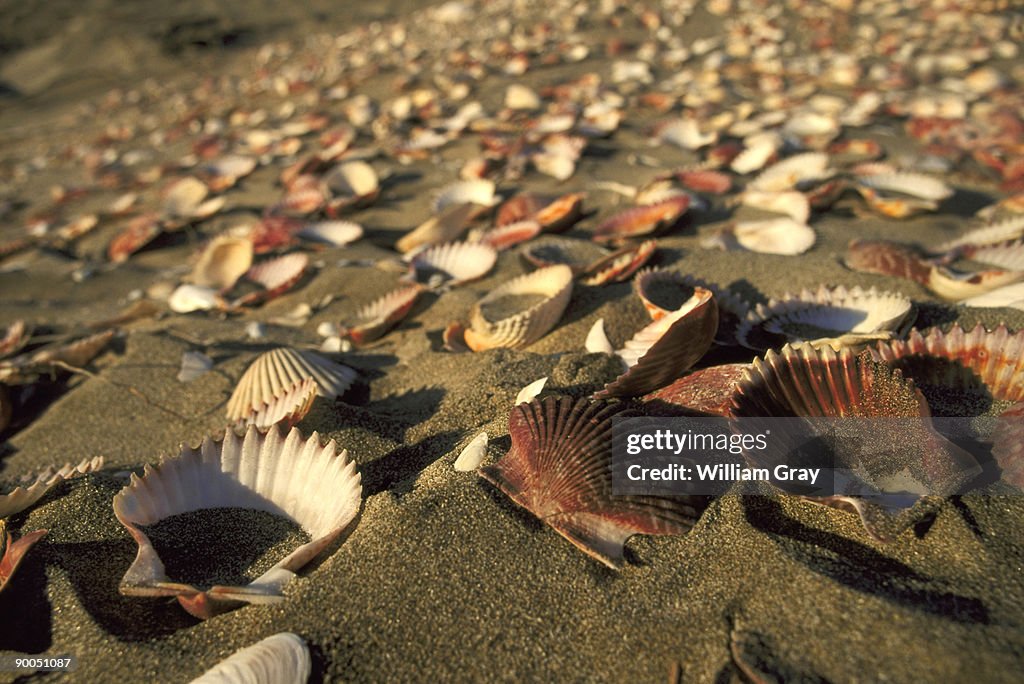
476 191
1009 256
771 236
915 185
193 365
1010 296
335 233
279 659
35 486
279 271
793 204
473 455
223 262
831 313
272 373
645 338
790 172
298 478
454 262
353 179
290 406
554 283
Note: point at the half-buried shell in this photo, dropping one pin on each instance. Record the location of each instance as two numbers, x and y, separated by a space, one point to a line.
520 311
301 479
376 318
274 372
835 316
34 487
703 392
279 659
559 469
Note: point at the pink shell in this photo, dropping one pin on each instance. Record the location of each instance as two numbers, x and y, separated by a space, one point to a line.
642 220
619 266
379 316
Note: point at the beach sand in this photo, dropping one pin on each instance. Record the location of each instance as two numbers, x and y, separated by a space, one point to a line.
443 578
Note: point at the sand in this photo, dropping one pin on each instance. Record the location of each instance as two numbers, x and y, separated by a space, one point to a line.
443 578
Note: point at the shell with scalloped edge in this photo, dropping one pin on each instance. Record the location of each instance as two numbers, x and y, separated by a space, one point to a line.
34 487
520 311
452 263
374 319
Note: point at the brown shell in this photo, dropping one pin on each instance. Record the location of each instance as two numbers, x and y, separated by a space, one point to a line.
619 266
667 347
277 276
559 469
510 234
642 220
139 232
887 258
704 392
379 316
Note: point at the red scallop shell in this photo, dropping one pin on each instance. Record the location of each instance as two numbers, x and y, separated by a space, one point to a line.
704 392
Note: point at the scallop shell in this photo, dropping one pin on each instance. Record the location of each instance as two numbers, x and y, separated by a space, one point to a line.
478 192
139 232
355 183
444 227
1004 231
561 214
1009 255
887 258
559 469
916 185
277 276
704 392
279 659
223 262
774 236
955 285
510 234
379 316
334 233
642 220
286 409
525 326
226 171
272 373
298 478
1009 296
793 204
663 350
685 133
989 362
576 254
453 263
705 180
35 486
789 173
830 315
620 265
13 551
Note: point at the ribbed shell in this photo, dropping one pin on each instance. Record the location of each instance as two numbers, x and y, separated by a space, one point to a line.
455 262
510 234
665 349
524 327
279 659
790 172
774 236
1008 229
297 478
288 408
642 220
620 265
380 315
1009 255
335 233
914 185
1009 296
476 191
704 392
277 276
35 486
559 469
274 372
444 227
549 251
847 316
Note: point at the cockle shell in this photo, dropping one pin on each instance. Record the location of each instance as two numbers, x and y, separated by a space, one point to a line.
996 233
279 659
12 551
642 220
510 234
274 372
559 469
491 326
354 183
1008 296
663 350
35 486
782 236
223 262
298 478
914 185
276 276
620 265
704 180
828 315
334 233
453 263
478 192
376 318
789 173
287 408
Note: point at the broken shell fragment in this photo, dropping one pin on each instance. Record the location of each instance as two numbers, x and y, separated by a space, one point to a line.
703 392
520 311
274 372
478 192
791 173
530 392
309 483
13 551
472 455
597 341
35 486
188 298
559 469
279 659
379 316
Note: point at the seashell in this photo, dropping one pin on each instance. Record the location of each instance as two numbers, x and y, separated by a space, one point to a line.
576 254
13 551
661 291
759 151
519 97
793 204
597 341
444 227
913 185
354 183
298 478
519 207
820 382
855 150
279 659
334 233
273 232
530 392
1004 231
559 469
1008 255
479 192
789 173
502 319
704 392
827 316
954 285
16 336
453 263
813 129
225 172
276 276
223 262
188 298
183 197
979 361
139 232
619 266
193 365
304 198
705 180
558 166
642 220
1009 296
26 368
274 372
782 236
684 133
472 455
286 409
376 318
663 350
510 234
887 258
34 487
